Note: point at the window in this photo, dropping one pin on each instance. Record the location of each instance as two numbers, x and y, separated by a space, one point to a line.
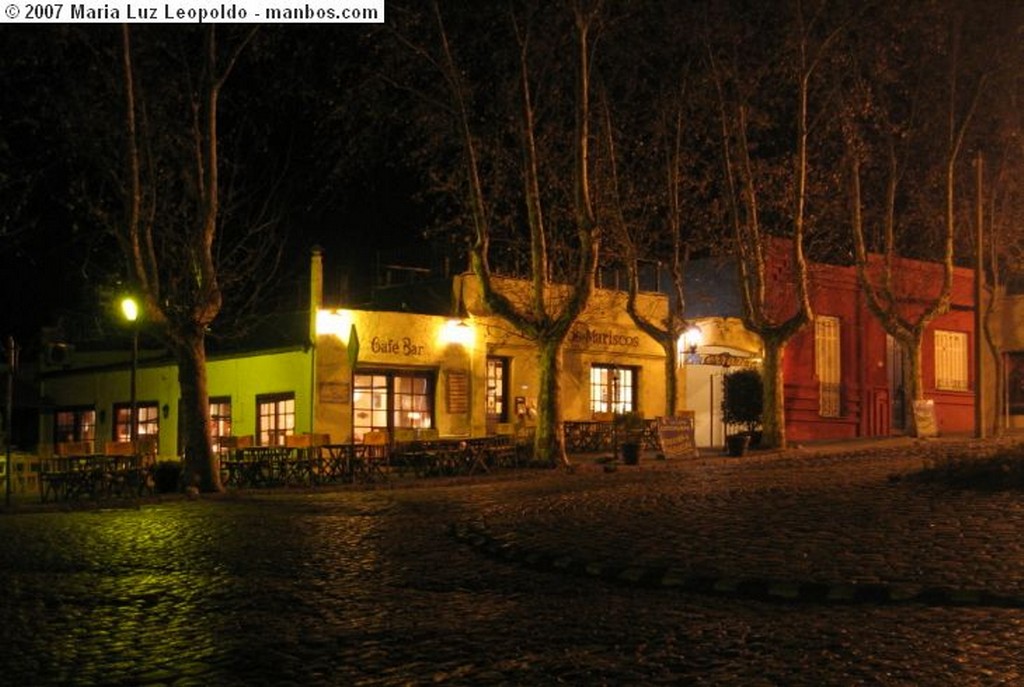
612 389
147 420
220 419
275 417
827 365
393 399
951 360
497 389
74 424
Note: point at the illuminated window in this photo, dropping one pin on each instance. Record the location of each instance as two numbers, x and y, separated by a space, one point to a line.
220 420
827 365
951 360
275 415
74 424
147 420
497 389
393 399
612 389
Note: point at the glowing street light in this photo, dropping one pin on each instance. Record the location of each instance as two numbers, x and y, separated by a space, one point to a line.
130 310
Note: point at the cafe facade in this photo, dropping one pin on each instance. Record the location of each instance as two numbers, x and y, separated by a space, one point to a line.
461 373
455 370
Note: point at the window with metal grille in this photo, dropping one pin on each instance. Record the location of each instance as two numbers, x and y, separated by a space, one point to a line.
74 424
951 361
827 365
147 419
497 389
275 414
612 389
220 420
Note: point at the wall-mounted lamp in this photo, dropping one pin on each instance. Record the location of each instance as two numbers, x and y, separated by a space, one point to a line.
689 341
166 411
337 323
458 332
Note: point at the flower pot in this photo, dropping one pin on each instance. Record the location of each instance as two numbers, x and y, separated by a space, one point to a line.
737 444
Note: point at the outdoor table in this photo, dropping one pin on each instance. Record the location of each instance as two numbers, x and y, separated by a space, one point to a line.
262 466
453 456
367 463
338 462
66 478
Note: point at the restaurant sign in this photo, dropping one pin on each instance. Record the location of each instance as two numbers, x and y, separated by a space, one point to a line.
584 336
725 360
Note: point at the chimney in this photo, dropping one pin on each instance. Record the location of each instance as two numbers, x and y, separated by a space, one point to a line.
316 289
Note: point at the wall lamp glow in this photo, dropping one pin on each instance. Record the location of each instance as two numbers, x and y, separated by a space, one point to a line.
458 332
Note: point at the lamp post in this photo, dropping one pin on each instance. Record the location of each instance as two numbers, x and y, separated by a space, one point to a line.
130 310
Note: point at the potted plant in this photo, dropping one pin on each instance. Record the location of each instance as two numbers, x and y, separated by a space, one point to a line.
629 432
742 398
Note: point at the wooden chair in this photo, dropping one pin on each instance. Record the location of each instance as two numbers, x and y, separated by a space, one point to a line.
403 435
73 448
119 448
377 452
297 441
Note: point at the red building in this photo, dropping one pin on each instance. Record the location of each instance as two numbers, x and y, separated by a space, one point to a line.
843 373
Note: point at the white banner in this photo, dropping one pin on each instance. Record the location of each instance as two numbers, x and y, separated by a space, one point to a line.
196 12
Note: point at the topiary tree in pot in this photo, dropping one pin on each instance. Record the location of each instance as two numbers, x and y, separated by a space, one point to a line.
742 407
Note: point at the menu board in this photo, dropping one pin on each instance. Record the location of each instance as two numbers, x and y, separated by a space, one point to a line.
924 418
676 434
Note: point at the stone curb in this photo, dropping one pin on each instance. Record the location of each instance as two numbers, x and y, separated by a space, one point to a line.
748 588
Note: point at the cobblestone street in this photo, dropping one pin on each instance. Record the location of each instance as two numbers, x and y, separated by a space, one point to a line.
370 587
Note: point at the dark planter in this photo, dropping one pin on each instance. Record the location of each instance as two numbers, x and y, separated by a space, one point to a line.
631 453
737 444
167 475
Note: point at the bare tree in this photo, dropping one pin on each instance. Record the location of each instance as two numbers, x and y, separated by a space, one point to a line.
171 257
760 182
663 238
999 201
891 128
547 311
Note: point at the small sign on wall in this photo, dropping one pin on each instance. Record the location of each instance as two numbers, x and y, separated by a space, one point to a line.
458 392
334 392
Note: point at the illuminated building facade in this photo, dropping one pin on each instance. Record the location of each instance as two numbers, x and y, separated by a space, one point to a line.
452 369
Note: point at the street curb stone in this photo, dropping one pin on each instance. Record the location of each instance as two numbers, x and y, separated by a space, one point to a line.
747 588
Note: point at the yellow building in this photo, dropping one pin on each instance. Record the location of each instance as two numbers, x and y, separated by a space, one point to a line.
461 372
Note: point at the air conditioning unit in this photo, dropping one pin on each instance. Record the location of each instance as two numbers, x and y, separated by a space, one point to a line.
59 354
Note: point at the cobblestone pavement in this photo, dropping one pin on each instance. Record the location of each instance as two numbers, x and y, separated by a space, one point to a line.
353 587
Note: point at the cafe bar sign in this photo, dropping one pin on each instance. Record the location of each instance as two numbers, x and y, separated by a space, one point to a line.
403 347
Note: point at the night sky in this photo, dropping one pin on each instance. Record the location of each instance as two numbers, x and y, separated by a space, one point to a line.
339 183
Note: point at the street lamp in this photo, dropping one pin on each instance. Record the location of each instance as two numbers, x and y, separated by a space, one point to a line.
130 310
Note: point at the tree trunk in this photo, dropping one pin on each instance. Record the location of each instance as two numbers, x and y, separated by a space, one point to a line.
549 442
202 466
671 348
913 380
773 418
